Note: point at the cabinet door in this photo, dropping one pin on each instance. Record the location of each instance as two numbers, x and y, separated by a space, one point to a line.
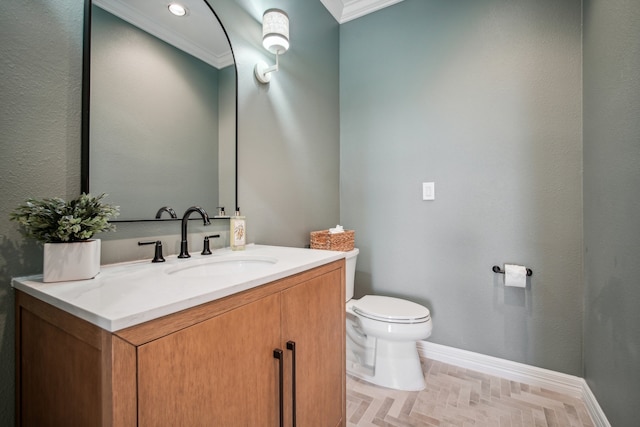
313 318
220 372
59 368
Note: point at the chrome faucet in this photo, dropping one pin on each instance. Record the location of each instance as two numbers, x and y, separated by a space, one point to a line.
184 246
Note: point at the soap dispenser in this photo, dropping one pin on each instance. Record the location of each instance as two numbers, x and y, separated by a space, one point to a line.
238 234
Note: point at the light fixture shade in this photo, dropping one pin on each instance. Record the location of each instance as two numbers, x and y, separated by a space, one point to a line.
275 31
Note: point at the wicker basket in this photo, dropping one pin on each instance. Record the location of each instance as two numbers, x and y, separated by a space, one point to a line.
333 242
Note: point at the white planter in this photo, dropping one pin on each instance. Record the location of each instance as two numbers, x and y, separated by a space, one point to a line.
71 261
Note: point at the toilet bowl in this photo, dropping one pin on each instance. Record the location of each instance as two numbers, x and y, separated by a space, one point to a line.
381 336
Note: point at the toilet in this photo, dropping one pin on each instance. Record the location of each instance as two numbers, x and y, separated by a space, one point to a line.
381 336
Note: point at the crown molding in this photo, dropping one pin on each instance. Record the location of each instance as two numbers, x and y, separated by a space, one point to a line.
169 35
347 10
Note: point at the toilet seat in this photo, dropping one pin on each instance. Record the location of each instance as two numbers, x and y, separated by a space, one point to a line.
390 310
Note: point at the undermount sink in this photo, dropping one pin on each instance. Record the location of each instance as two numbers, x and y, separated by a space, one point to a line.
222 266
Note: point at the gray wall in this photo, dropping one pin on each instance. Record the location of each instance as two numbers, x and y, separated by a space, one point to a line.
612 206
289 130
289 138
227 137
483 98
154 121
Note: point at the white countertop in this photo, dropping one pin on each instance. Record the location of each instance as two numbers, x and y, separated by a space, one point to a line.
128 294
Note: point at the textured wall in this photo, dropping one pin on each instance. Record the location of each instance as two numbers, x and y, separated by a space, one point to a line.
40 90
612 206
484 99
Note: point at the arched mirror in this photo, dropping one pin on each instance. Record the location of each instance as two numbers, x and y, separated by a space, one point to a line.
160 127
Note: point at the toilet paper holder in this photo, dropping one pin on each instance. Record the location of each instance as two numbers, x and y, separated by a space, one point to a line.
497 269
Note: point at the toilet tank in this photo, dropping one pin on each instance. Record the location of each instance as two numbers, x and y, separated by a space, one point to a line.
350 273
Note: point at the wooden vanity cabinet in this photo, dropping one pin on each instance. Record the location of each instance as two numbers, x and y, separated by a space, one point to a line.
211 365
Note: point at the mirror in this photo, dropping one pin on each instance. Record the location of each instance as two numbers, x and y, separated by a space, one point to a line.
160 127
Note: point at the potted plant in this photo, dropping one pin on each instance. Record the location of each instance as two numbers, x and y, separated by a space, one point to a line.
66 229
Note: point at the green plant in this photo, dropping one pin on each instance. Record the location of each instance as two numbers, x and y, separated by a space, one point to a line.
52 220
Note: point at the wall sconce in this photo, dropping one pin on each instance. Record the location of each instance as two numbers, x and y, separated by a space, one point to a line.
275 38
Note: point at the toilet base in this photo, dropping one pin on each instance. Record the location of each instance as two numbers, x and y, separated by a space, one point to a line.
397 365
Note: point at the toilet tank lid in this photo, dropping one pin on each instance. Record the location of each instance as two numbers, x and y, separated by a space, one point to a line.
389 308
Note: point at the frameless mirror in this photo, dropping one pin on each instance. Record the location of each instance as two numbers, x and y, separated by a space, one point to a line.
162 108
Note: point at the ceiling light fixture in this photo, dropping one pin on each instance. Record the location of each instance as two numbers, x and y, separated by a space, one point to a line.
177 9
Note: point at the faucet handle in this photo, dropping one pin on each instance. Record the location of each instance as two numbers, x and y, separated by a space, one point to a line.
157 257
206 250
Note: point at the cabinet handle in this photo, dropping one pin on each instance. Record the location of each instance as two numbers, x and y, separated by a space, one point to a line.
291 345
277 354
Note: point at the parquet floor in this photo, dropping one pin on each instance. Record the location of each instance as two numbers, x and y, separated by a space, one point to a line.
460 397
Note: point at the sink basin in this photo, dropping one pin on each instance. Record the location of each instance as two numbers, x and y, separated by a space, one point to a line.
222 266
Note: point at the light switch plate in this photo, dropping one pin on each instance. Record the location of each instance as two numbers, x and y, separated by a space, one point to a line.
428 191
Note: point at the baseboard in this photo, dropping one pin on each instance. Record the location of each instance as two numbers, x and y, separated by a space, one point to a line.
593 407
551 380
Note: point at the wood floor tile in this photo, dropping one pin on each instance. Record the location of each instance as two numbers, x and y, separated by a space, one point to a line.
458 397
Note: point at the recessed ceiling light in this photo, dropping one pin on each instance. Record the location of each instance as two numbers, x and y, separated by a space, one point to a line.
178 9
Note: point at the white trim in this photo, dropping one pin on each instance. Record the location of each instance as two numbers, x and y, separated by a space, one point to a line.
334 7
540 377
347 10
157 29
594 409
